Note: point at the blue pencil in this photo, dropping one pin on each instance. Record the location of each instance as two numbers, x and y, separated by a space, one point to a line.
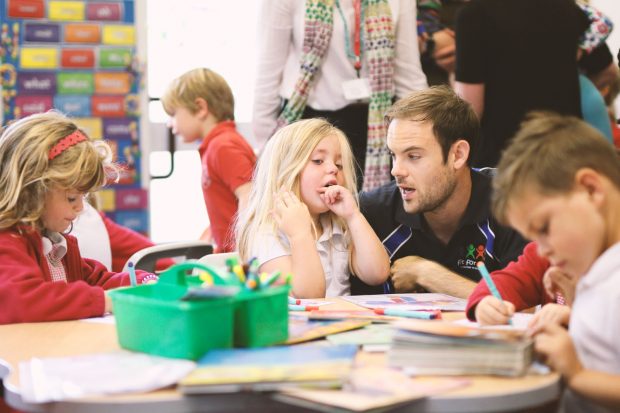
425 315
132 274
487 278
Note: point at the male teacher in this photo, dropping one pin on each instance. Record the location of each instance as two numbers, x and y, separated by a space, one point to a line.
434 219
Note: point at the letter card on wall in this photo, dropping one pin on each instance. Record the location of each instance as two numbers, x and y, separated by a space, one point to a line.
77 57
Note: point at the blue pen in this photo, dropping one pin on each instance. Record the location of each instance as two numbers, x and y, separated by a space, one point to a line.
487 278
132 274
425 315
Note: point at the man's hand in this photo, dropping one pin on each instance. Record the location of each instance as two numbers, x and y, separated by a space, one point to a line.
406 272
417 274
445 50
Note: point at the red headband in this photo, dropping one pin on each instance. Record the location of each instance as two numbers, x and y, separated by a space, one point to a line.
65 143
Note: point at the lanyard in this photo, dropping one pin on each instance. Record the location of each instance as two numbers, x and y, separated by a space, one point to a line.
356 36
355 52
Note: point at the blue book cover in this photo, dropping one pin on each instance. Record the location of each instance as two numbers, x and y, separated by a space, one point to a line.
270 368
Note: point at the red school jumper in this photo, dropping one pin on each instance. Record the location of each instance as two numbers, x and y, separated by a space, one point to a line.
227 162
521 283
27 292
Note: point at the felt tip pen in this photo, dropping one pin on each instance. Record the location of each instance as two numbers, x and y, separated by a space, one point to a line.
425 315
132 274
253 266
266 282
293 307
487 278
238 271
251 282
292 300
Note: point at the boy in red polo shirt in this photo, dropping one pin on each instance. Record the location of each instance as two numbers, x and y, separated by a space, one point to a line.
201 106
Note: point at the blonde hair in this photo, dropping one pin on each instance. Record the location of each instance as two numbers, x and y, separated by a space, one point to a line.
545 155
280 165
26 173
200 83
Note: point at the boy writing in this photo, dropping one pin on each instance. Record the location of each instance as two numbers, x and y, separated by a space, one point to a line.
201 106
559 184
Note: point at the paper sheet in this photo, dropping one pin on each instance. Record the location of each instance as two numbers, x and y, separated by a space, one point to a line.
50 379
519 322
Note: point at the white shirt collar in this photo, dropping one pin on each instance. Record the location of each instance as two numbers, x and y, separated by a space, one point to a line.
50 239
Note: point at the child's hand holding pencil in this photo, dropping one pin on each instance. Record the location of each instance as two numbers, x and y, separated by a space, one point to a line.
492 310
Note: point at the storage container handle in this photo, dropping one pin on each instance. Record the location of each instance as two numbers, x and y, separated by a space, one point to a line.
177 274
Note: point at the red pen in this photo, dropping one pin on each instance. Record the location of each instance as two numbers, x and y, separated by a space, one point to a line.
294 307
292 300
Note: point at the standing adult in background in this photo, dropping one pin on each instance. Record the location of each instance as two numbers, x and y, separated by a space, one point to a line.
436 39
343 60
434 219
514 56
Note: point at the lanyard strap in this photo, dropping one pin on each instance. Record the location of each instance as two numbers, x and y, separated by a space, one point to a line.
357 50
354 53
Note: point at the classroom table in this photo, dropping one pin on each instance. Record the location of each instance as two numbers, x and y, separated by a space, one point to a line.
20 342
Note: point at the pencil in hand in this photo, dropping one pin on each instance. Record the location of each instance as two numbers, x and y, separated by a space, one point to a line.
487 278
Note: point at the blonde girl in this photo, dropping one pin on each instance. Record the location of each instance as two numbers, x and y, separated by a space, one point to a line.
47 167
303 215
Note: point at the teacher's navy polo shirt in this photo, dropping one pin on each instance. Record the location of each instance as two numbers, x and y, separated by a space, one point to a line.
479 237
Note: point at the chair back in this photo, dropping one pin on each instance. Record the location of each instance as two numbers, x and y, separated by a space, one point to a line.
146 258
218 261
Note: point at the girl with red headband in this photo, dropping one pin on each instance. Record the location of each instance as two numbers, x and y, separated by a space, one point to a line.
47 167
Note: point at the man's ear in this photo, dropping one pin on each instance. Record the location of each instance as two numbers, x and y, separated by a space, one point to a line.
459 152
591 181
203 107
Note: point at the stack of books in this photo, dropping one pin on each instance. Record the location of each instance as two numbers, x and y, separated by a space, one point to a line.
423 347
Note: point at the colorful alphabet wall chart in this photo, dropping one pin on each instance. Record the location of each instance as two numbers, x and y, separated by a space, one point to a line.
78 57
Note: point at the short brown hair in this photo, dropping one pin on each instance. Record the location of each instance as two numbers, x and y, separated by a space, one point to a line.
200 83
547 152
453 118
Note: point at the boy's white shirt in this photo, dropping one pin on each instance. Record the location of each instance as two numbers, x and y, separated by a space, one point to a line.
595 323
331 247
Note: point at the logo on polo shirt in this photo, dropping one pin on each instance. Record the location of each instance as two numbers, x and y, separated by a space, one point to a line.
473 254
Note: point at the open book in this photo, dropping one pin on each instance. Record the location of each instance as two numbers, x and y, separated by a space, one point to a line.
444 348
412 301
270 368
